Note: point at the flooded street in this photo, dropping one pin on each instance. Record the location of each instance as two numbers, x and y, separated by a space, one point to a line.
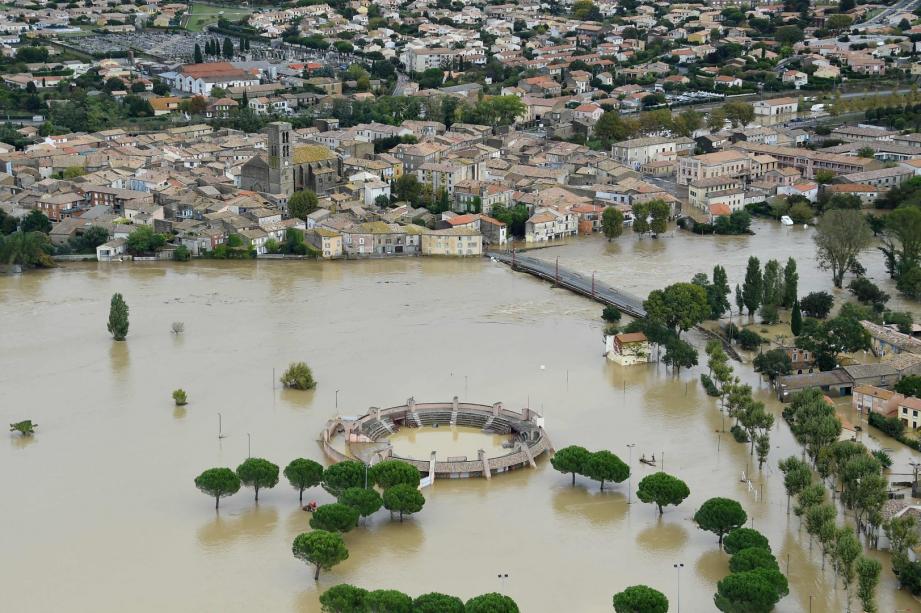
100 512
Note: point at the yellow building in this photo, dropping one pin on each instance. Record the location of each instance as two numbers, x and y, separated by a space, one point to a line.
328 242
453 242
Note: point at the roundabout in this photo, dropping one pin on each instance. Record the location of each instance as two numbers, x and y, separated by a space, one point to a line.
448 440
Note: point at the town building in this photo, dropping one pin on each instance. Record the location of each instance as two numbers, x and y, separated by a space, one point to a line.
627 348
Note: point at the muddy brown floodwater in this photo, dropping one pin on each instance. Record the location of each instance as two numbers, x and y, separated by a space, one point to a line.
100 513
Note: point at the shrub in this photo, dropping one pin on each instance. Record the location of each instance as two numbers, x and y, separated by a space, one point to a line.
610 314
182 254
298 376
180 397
889 425
732 331
739 434
709 385
749 340
744 538
884 458
769 314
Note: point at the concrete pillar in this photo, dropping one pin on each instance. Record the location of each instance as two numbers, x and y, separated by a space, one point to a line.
496 409
454 403
411 404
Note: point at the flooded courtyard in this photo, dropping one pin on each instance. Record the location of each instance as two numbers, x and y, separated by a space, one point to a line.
448 441
101 514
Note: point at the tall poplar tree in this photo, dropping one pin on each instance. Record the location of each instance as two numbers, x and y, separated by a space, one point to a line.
753 288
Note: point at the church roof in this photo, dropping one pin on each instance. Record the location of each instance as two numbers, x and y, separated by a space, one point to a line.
306 154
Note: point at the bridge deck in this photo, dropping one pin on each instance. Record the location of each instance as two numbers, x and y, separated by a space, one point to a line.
600 292
573 281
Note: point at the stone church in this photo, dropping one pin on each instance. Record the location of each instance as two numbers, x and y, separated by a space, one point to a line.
286 169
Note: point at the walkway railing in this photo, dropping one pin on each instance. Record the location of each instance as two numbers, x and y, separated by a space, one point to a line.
573 281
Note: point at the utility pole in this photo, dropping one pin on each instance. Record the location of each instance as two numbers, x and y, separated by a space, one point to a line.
678 568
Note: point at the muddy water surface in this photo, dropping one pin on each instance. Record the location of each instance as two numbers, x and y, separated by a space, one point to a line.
100 513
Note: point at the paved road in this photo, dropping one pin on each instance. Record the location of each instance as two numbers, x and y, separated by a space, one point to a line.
603 293
879 19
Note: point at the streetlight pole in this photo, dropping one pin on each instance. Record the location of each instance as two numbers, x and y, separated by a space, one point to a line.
630 474
503 577
249 446
557 270
337 399
678 568
593 283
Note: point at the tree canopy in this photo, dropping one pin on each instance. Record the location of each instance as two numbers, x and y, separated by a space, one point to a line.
321 548
258 473
118 317
570 459
491 603
839 238
434 602
302 203
744 538
640 599
302 473
365 501
388 473
344 598
404 499
720 516
662 489
343 475
604 466
679 306
334 517
218 483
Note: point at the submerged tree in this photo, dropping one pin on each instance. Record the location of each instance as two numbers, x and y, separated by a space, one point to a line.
365 501
298 376
604 466
321 548
662 489
403 499
180 397
118 318
25 428
258 473
570 459
218 483
841 234
302 473
335 517
720 516
640 599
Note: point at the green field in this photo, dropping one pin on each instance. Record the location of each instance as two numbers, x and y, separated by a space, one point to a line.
201 15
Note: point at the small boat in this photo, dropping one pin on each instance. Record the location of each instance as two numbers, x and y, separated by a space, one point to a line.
786 220
647 461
